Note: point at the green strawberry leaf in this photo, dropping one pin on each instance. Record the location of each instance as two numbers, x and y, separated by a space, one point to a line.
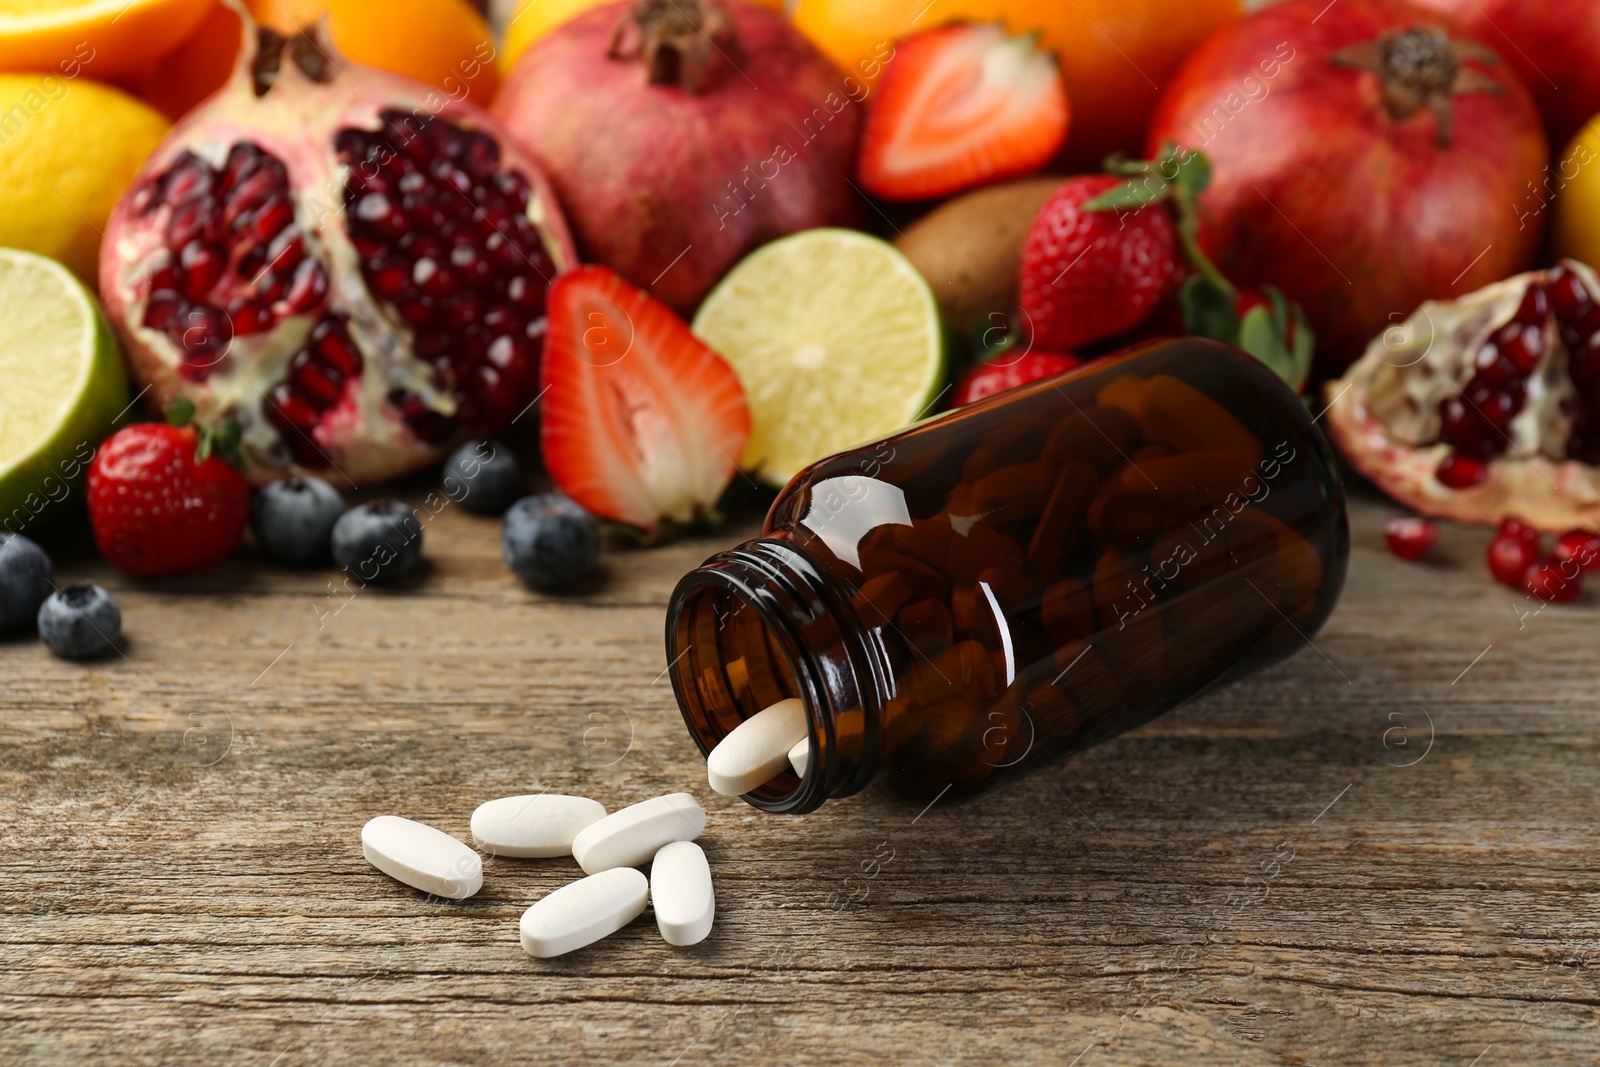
180 411
1208 310
1140 192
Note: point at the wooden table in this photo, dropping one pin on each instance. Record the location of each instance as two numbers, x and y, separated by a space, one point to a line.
1381 851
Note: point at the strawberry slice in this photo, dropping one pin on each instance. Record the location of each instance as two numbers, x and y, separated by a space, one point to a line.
961 106
641 422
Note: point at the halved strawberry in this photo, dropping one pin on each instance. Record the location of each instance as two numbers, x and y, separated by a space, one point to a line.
961 106
640 422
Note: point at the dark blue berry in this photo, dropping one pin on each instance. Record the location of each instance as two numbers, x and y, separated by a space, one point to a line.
24 582
80 622
293 520
378 542
482 476
549 541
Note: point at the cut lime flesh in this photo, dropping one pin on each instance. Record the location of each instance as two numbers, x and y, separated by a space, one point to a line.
62 382
836 339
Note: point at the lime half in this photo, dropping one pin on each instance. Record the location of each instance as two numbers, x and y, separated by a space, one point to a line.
836 340
61 383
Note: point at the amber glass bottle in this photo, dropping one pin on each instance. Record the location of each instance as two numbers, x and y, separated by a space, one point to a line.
1048 568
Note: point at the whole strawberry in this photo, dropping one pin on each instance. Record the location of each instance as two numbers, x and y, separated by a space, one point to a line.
1007 371
1091 274
163 500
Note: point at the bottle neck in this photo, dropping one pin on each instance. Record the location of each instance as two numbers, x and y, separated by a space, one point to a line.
759 623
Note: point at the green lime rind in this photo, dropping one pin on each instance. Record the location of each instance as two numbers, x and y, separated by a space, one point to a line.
837 340
42 464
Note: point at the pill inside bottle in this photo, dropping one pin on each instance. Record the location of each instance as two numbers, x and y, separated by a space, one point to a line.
991 590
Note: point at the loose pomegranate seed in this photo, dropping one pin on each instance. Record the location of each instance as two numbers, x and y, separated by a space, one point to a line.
1554 581
1582 547
1461 472
1521 531
1511 554
1409 537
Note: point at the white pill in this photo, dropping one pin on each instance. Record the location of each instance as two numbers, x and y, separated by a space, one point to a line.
582 912
422 857
680 890
757 749
533 826
800 756
631 836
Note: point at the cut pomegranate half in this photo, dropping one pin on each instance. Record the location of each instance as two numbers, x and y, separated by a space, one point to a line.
352 271
1485 407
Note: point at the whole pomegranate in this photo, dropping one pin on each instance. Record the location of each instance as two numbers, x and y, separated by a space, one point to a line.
1486 407
1363 161
681 134
345 263
1552 45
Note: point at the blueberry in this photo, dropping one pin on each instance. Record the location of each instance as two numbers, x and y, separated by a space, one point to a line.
25 575
379 542
549 541
482 476
80 622
293 520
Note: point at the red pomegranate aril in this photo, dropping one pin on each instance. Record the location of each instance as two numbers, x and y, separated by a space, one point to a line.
189 179
437 282
333 344
1457 471
1409 537
1582 547
465 310
167 275
1522 345
306 291
1553 581
255 191
1510 557
1535 306
202 268
1518 530
417 313
317 381
250 316
188 222
1568 297
163 309
273 218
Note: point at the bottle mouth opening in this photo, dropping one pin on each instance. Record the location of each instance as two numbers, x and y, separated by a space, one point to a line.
731 656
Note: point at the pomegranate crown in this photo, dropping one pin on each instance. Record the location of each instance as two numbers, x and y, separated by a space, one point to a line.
682 42
1422 67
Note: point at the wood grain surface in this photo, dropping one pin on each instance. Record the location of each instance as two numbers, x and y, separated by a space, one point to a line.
1381 851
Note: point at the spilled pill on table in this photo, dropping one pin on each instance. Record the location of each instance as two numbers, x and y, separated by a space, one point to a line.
756 750
422 857
536 826
582 912
629 837
680 891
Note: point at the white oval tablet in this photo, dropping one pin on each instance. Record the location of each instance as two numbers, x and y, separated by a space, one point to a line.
757 749
800 756
582 912
422 857
680 890
631 836
533 826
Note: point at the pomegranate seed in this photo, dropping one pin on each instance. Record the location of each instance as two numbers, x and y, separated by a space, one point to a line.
202 268
321 384
1521 344
250 195
188 223
1582 547
1553 581
1409 537
390 282
1463 426
1569 297
482 155
1510 557
417 313
333 344
1458 471
306 291
168 275
447 140
1521 531
275 215
250 316
427 424
1535 306
163 309
189 179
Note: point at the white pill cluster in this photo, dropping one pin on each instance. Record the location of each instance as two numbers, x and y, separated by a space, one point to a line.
756 750
660 832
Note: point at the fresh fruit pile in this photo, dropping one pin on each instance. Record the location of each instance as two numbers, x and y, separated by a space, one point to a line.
349 256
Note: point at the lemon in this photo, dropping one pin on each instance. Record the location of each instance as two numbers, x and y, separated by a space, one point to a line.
836 339
1576 232
62 383
68 148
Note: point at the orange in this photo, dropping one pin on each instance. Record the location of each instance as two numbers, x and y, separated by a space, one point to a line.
441 42
200 65
103 39
535 18
1115 54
